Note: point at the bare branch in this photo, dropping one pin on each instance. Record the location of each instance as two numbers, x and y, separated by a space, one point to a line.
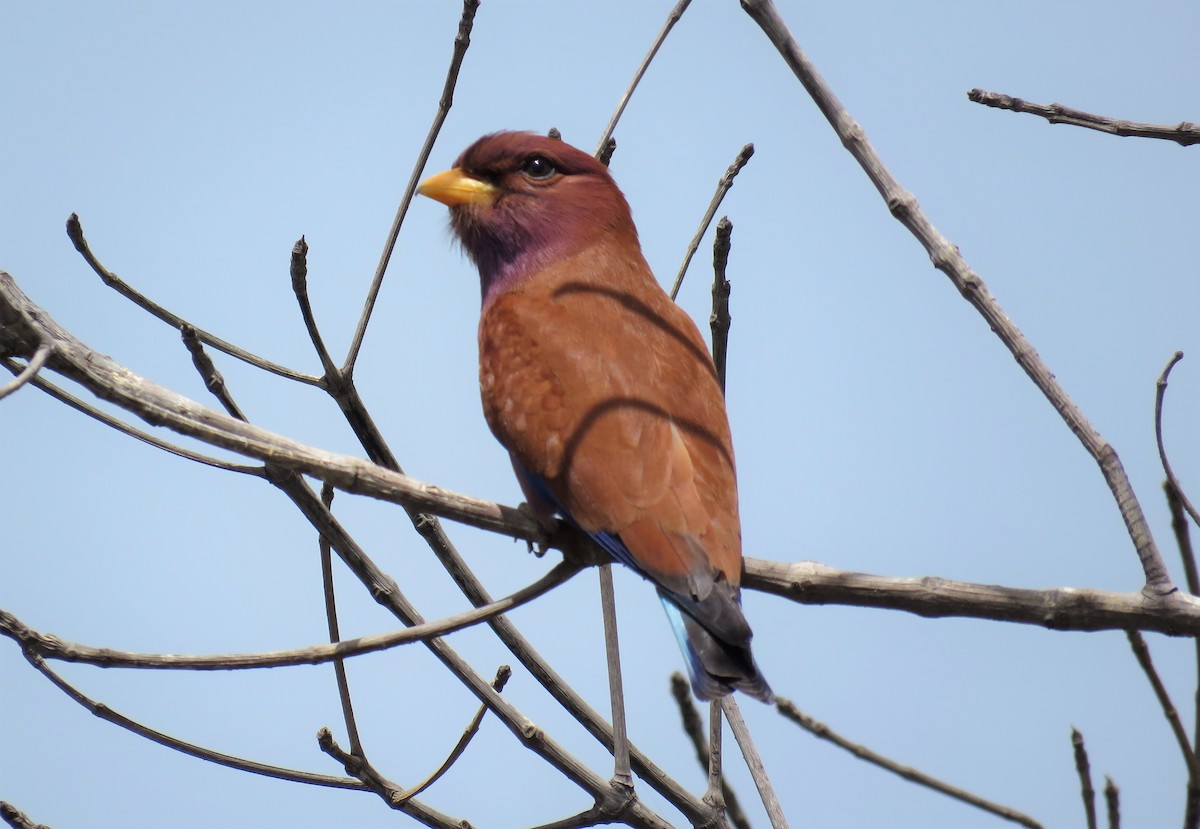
75 232
758 771
723 185
1085 777
461 41
946 258
502 676
1112 800
213 379
371 780
681 690
616 690
1184 133
15 818
299 273
1063 608
1142 653
1160 394
1183 539
110 715
819 729
124 428
51 647
720 321
603 150
331 623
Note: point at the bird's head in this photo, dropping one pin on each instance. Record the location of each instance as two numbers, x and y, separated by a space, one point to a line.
519 201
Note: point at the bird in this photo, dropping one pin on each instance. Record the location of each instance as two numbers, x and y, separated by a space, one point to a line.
601 388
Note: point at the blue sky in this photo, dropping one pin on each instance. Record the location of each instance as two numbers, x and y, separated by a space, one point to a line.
879 425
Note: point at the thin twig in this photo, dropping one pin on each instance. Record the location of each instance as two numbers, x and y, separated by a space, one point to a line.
681 690
754 762
818 729
616 691
723 185
75 232
298 270
1183 539
672 19
461 41
1142 653
108 714
29 372
946 258
331 622
1084 769
719 321
213 380
503 674
1160 393
358 767
1112 801
125 429
52 647
1184 133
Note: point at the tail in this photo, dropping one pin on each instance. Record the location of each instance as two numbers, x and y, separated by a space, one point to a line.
717 667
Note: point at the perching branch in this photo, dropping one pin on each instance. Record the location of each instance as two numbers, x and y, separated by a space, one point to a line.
806 582
1184 133
1062 608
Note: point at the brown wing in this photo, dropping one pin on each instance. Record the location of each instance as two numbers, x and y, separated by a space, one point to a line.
600 385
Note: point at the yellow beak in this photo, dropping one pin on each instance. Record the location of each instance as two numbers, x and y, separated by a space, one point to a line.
454 187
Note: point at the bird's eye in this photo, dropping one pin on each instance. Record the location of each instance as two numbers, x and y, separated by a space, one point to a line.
538 167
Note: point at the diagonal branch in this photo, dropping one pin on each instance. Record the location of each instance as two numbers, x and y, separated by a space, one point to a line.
125 429
502 677
723 185
461 41
946 258
110 715
603 148
820 730
75 232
